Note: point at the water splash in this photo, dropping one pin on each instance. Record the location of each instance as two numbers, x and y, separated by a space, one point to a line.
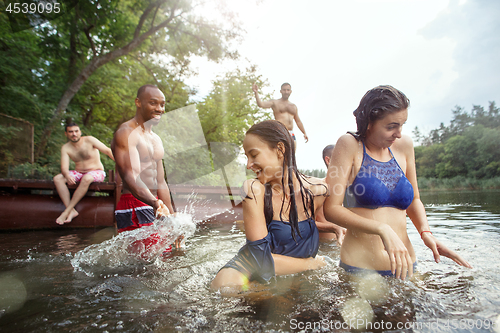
139 246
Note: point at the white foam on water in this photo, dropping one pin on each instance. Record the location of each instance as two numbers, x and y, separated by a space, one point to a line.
136 246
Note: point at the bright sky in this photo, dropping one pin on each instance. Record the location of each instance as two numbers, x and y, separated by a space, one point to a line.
440 53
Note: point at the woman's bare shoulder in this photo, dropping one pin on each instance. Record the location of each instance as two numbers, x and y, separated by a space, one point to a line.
252 188
404 144
346 144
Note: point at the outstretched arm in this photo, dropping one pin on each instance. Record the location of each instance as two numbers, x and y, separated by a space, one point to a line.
284 265
262 104
101 147
416 213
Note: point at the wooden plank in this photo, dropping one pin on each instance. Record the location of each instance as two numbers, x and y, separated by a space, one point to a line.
49 185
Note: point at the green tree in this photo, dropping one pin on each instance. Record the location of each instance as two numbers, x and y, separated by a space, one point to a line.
426 159
230 109
96 33
417 135
487 160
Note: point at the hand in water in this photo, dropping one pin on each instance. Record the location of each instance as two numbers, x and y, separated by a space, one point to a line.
162 209
179 242
317 262
439 249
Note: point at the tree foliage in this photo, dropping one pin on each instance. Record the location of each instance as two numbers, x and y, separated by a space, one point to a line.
93 59
468 147
230 110
87 64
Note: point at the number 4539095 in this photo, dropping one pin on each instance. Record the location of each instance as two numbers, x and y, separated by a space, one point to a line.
33 8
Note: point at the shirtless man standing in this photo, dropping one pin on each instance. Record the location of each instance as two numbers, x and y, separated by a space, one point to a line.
284 110
139 154
84 151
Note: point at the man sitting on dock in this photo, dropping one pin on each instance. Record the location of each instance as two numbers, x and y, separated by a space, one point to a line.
139 154
84 151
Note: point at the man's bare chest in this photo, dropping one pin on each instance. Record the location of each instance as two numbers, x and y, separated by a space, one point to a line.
150 149
83 153
285 108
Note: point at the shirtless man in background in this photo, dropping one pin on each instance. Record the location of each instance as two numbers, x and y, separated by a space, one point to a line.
284 111
327 229
139 154
84 151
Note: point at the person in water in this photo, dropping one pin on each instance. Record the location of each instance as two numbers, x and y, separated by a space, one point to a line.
328 230
378 164
278 211
139 160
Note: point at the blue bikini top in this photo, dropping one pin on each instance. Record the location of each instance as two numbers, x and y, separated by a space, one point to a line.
281 241
379 184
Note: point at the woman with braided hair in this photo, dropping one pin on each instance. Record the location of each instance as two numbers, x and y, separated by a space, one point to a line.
373 186
278 211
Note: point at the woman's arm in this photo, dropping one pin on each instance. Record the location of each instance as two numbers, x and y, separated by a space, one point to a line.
254 219
416 211
284 265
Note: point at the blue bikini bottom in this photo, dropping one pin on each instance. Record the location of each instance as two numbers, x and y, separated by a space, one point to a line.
358 270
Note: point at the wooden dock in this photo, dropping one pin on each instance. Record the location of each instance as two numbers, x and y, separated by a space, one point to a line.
35 204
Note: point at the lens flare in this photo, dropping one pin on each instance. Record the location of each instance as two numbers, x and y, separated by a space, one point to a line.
372 287
12 293
357 312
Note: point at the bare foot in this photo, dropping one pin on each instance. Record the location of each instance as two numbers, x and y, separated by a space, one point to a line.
61 218
66 218
71 216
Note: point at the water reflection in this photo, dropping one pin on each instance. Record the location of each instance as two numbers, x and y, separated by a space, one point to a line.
171 293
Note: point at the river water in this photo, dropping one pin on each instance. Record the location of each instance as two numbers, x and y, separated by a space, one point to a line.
83 281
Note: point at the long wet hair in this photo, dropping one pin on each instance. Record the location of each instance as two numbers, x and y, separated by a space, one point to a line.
375 105
273 132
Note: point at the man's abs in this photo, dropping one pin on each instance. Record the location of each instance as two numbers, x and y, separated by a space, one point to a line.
284 118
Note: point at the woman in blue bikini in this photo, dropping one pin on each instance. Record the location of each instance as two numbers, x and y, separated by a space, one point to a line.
378 164
278 211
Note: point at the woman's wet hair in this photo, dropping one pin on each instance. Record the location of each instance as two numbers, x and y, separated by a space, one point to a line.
376 104
273 132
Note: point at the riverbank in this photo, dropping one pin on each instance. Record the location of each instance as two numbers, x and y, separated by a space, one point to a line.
457 183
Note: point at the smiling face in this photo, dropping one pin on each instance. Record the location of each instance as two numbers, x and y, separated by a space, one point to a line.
265 161
285 91
150 105
73 133
383 132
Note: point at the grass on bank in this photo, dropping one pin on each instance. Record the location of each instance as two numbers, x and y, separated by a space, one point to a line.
457 183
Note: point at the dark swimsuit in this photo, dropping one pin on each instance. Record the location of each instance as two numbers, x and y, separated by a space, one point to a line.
255 259
378 184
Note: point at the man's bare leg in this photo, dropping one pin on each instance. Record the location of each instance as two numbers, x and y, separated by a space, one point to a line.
80 192
63 191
